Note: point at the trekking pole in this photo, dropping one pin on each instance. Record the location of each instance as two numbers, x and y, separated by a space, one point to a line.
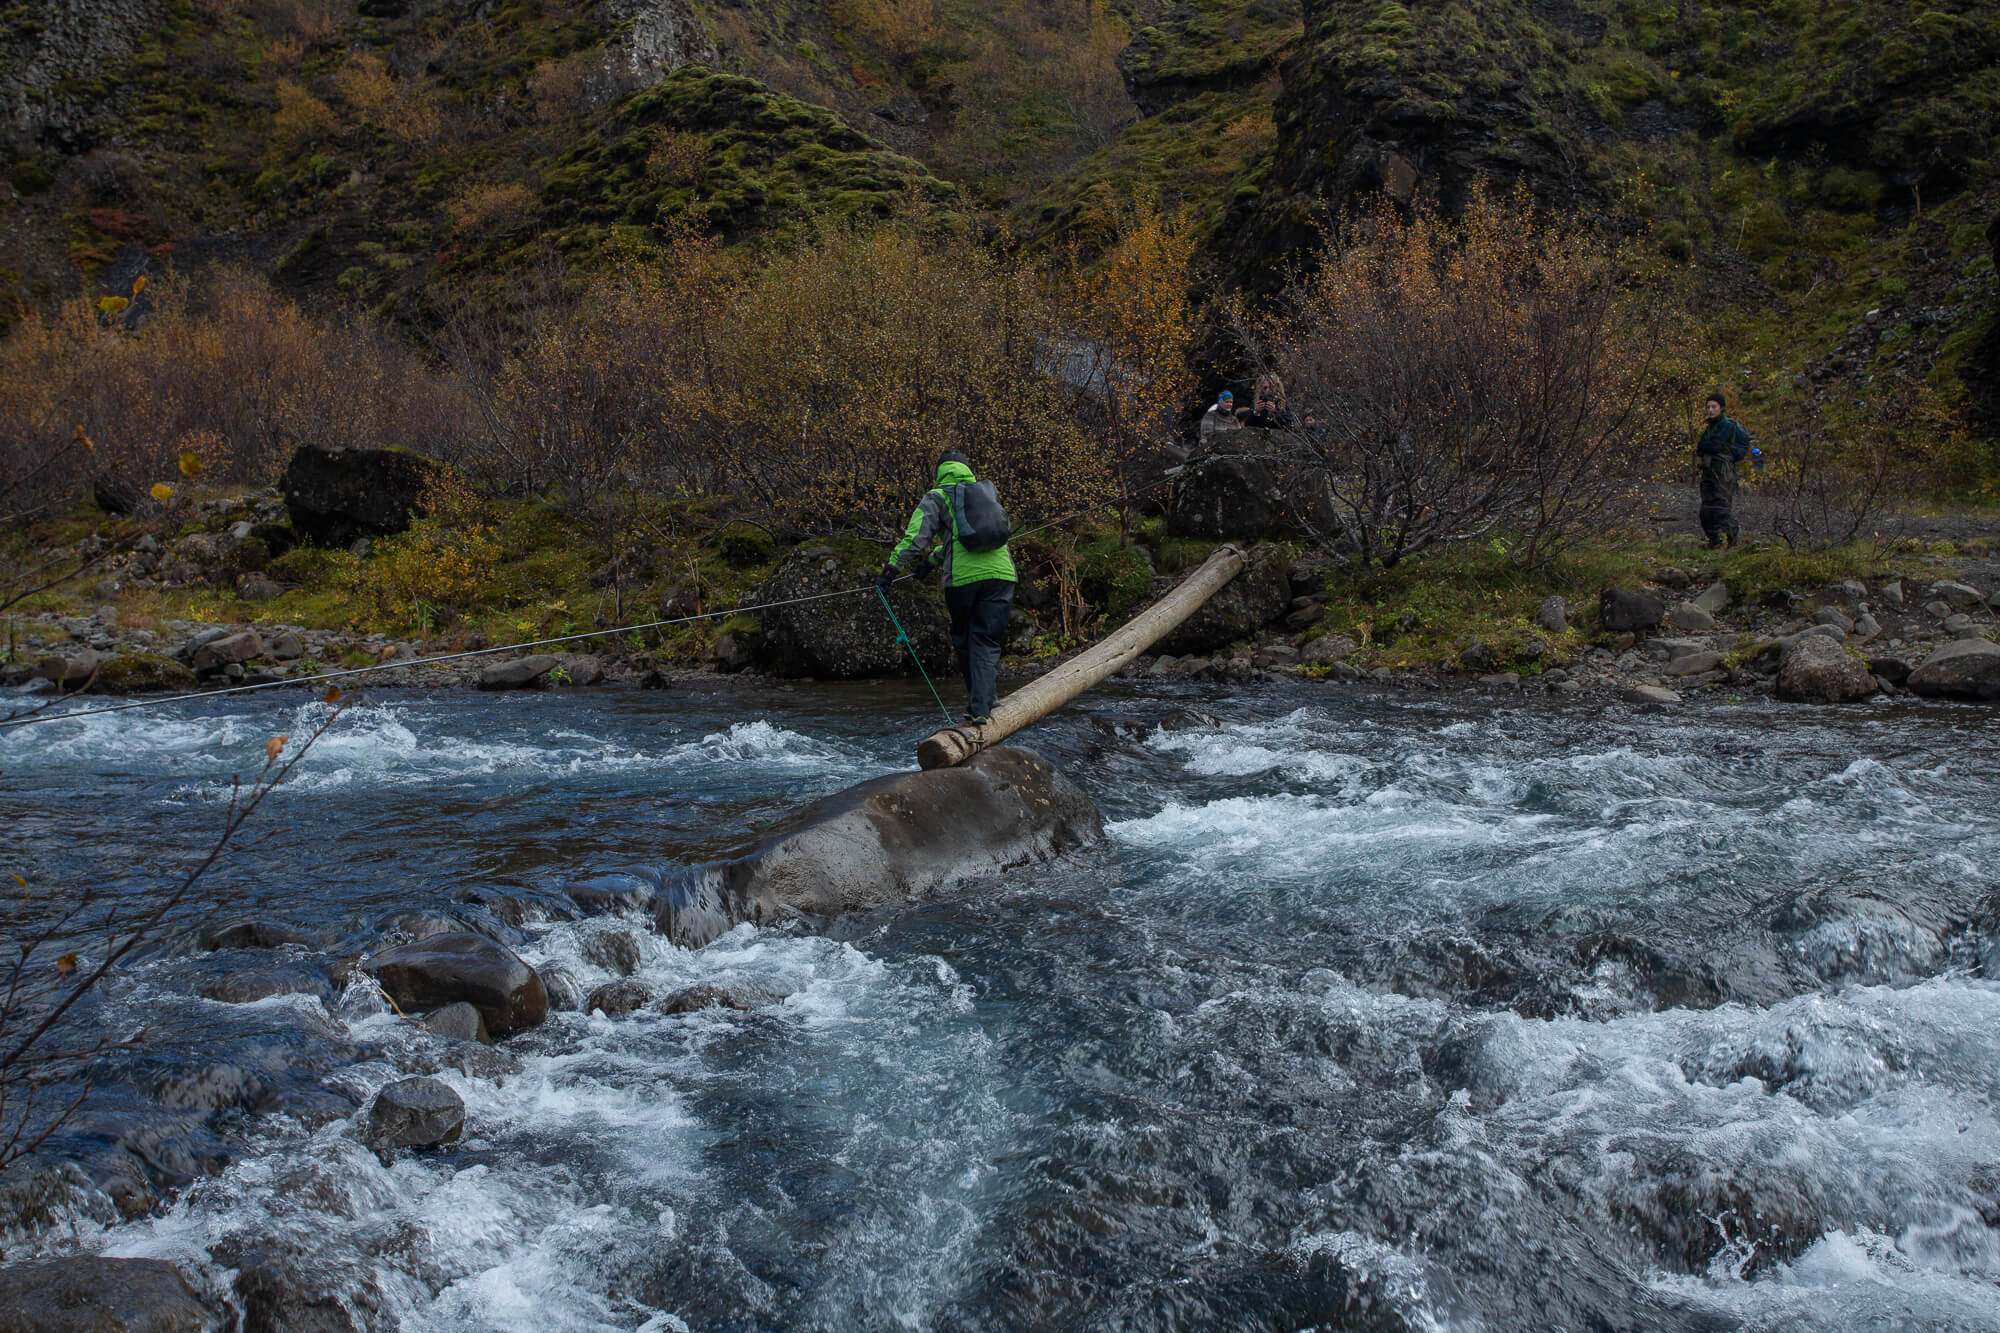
903 638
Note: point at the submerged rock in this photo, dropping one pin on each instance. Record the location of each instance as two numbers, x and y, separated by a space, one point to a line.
881 842
261 983
415 1113
718 995
434 972
89 1294
617 999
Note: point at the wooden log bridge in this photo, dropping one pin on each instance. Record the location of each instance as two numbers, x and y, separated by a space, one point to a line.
1043 696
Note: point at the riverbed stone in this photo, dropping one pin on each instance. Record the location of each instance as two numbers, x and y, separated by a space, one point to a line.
1829 615
241 646
565 995
1964 669
1629 609
613 950
1325 648
740 995
618 998
285 646
1650 694
1714 598
1552 615
519 673
1892 593
1816 669
1895 670
251 933
458 1021
1688 616
1867 627
1694 663
250 984
92 1294
415 1113
1959 596
431 973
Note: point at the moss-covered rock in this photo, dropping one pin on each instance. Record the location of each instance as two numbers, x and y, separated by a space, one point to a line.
140 673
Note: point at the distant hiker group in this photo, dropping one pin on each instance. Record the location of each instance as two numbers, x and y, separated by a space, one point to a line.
1267 411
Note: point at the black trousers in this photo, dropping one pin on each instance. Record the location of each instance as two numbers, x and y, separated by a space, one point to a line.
1718 499
979 615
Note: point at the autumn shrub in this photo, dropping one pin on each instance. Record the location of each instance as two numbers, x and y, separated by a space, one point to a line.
1497 377
435 568
859 355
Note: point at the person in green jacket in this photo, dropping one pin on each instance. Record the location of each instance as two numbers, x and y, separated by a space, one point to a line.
978 585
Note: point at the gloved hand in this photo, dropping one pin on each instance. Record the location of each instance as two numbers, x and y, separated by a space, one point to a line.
934 561
886 577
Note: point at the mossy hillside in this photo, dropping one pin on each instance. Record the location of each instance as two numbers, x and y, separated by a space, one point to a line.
1208 46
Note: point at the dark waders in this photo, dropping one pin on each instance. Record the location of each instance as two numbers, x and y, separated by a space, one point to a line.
1718 499
979 614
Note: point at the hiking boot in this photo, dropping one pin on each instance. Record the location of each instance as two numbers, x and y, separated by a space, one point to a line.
976 719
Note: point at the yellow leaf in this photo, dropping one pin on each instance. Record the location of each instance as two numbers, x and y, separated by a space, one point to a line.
112 305
274 747
138 284
333 694
66 964
22 882
190 464
161 491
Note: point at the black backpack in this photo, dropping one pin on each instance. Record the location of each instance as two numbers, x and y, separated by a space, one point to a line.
977 518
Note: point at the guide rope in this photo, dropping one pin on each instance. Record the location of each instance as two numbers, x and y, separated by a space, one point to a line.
346 673
902 637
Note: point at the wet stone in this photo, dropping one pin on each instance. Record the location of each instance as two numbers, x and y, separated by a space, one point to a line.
251 934
431 973
90 1294
415 1113
613 950
261 983
459 1022
617 999
718 995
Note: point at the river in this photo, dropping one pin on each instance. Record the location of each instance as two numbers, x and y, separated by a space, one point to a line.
1372 1011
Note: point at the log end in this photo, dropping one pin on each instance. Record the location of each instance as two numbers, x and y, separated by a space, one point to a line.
948 749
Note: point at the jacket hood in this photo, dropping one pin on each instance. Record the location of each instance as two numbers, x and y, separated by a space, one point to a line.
954 474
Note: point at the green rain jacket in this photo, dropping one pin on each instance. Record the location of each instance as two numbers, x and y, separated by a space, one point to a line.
933 521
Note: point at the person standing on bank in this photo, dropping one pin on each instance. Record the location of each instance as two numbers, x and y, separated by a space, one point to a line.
1723 444
964 515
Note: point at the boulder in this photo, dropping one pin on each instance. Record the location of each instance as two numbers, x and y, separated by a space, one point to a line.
1892 669
415 1113
1688 616
1964 669
1815 668
1259 596
1833 616
617 998
257 586
1867 627
565 996
71 672
283 1290
1650 694
718 995
1225 497
880 842
431 973
140 673
89 1294
1476 657
337 495
1713 599
848 638
1325 648
578 669
285 646
1959 596
1552 615
733 653
679 602
459 1022
1892 593
216 654
1622 609
518 673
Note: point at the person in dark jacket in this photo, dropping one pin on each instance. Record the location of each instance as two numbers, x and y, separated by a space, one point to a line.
978 585
1723 444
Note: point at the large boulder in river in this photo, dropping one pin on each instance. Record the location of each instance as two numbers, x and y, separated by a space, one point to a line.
88 1294
880 842
1815 668
336 495
850 637
437 971
1964 669
1259 596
